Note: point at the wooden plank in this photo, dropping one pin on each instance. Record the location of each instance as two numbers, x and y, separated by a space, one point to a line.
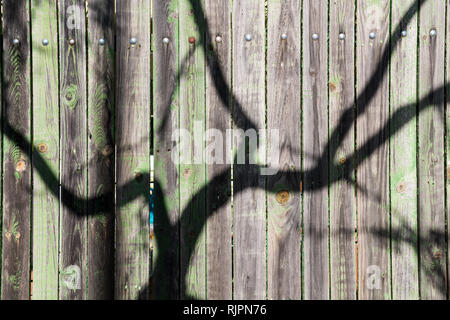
166 267
342 147
44 26
133 149
192 171
248 183
403 164
431 152
283 115
15 282
101 149
73 232
219 223
315 153
373 150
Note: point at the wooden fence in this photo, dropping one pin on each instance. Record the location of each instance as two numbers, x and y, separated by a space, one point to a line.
354 90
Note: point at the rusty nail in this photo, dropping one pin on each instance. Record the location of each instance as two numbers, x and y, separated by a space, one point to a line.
191 40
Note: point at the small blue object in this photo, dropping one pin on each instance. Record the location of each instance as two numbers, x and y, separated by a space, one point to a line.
152 206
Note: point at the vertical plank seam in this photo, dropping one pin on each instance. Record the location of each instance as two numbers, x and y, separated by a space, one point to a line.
30 240
355 152
418 153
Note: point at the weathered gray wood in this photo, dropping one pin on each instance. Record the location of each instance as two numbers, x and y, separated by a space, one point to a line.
166 263
133 149
44 25
373 150
193 170
15 269
431 152
249 203
73 232
403 147
342 146
101 149
218 117
315 153
284 118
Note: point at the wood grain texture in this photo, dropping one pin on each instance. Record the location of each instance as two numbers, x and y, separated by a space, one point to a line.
249 203
373 150
166 266
218 118
283 115
193 170
101 149
342 147
133 150
431 152
73 232
15 282
315 159
45 202
403 154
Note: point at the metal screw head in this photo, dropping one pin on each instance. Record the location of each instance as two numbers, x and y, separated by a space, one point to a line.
372 35
165 40
433 32
133 41
71 42
101 41
15 41
315 36
404 33
248 37
218 39
341 36
284 36
44 42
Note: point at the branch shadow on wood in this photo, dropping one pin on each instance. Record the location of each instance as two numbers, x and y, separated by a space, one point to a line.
164 229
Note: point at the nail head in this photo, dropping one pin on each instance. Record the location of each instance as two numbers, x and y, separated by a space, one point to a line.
248 37
133 41
45 42
433 32
372 35
315 36
341 36
191 40
404 33
71 42
101 41
284 36
218 39
15 41
165 40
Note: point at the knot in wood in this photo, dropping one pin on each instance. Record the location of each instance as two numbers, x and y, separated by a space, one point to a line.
283 197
